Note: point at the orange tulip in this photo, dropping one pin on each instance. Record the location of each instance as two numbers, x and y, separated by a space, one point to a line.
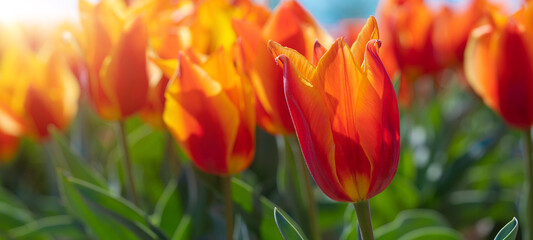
115 50
499 65
407 26
452 28
409 49
210 111
291 26
345 113
39 89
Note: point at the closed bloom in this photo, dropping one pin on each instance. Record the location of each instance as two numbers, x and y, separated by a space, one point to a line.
209 110
452 28
291 26
499 65
38 90
345 113
115 52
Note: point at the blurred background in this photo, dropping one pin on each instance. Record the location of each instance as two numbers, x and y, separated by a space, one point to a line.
460 172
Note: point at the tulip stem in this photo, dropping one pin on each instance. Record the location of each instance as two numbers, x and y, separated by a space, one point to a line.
171 155
528 184
311 204
362 210
127 165
228 205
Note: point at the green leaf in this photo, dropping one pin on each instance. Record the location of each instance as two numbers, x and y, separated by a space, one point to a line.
259 208
63 226
69 160
184 228
102 225
409 221
169 211
509 231
107 200
12 216
287 227
118 208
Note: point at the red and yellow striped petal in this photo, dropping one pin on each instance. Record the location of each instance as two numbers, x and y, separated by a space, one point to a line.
124 76
311 122
201 117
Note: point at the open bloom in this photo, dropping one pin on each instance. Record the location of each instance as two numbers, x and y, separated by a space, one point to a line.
115 52
345 113
499 65
210 111
291 26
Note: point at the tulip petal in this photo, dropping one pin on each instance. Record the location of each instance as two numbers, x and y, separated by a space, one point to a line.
318 52
480 67
300 62
289 16
369 31
268 84
201 116
310 118
377 113
339 78
125 77
515 74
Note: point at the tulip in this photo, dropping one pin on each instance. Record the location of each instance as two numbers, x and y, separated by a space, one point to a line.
209 111
115 50
345 113
499 67
40 91
409 50
291 26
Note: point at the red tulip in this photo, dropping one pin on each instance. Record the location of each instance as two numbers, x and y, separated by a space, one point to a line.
345 113
38 89
499 65
291 26
115 52
209 110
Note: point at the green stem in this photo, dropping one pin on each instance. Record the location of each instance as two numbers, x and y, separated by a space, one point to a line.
228 205
132 194
528 184
171 155
362 210
308 193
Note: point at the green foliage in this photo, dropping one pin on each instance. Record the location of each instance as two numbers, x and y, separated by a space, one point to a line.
289 229
509 231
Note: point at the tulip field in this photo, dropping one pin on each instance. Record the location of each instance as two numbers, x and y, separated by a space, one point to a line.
245 119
